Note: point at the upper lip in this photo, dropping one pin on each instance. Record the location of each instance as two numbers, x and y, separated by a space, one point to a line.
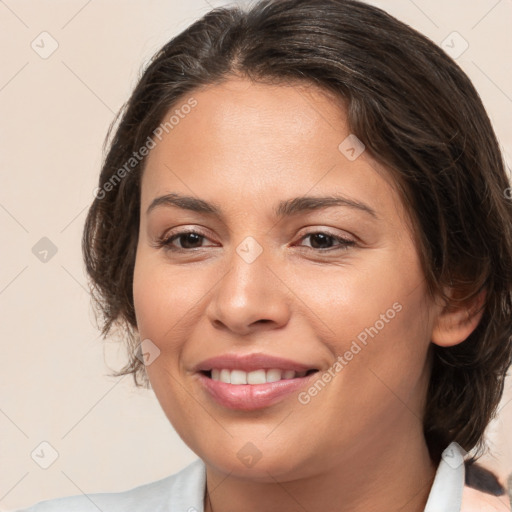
251 362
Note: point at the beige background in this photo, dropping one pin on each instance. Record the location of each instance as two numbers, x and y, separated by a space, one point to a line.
54 114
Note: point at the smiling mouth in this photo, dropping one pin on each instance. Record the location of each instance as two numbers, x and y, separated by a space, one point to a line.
256 389
261 376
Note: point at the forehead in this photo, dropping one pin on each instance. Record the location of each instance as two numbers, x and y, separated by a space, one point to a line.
252 141
239 111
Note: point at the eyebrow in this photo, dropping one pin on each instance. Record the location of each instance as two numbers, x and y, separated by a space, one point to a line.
285 208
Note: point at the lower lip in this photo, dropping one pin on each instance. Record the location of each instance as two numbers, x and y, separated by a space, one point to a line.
248 397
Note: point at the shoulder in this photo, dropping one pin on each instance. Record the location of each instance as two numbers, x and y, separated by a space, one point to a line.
474 500
185 487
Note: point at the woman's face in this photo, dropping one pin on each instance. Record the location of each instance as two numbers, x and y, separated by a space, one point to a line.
269 273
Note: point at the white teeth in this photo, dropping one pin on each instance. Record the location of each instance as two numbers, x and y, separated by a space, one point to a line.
238 377
255 377
273 375
225 376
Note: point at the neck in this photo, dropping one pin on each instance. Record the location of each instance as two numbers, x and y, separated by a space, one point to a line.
375 476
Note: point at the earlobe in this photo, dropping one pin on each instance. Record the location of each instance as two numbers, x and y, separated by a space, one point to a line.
455 323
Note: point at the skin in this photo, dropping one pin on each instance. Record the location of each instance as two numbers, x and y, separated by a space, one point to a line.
358 444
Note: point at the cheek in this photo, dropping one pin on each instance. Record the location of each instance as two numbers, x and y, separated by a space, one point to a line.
374 316
376 323
164 297
163 305
382 290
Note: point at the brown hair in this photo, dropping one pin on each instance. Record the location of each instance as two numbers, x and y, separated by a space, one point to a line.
416 112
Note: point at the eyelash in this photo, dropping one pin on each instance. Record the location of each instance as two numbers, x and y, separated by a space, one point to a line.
167 240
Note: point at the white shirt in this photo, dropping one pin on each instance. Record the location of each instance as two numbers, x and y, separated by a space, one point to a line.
184 492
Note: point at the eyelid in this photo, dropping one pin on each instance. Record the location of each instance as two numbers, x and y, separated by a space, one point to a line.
165 241
343 242
312 230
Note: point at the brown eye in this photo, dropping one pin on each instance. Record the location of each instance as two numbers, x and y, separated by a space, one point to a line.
188 240
322 241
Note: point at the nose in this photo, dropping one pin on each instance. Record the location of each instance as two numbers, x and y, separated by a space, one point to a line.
251 296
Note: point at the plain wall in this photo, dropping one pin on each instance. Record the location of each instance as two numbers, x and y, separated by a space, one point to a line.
54 115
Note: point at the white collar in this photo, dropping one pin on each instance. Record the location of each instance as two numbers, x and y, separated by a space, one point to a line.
448 486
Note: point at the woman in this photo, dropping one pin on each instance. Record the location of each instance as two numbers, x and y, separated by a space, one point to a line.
302 222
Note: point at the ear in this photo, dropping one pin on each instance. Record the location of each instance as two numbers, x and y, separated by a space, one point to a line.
455 323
